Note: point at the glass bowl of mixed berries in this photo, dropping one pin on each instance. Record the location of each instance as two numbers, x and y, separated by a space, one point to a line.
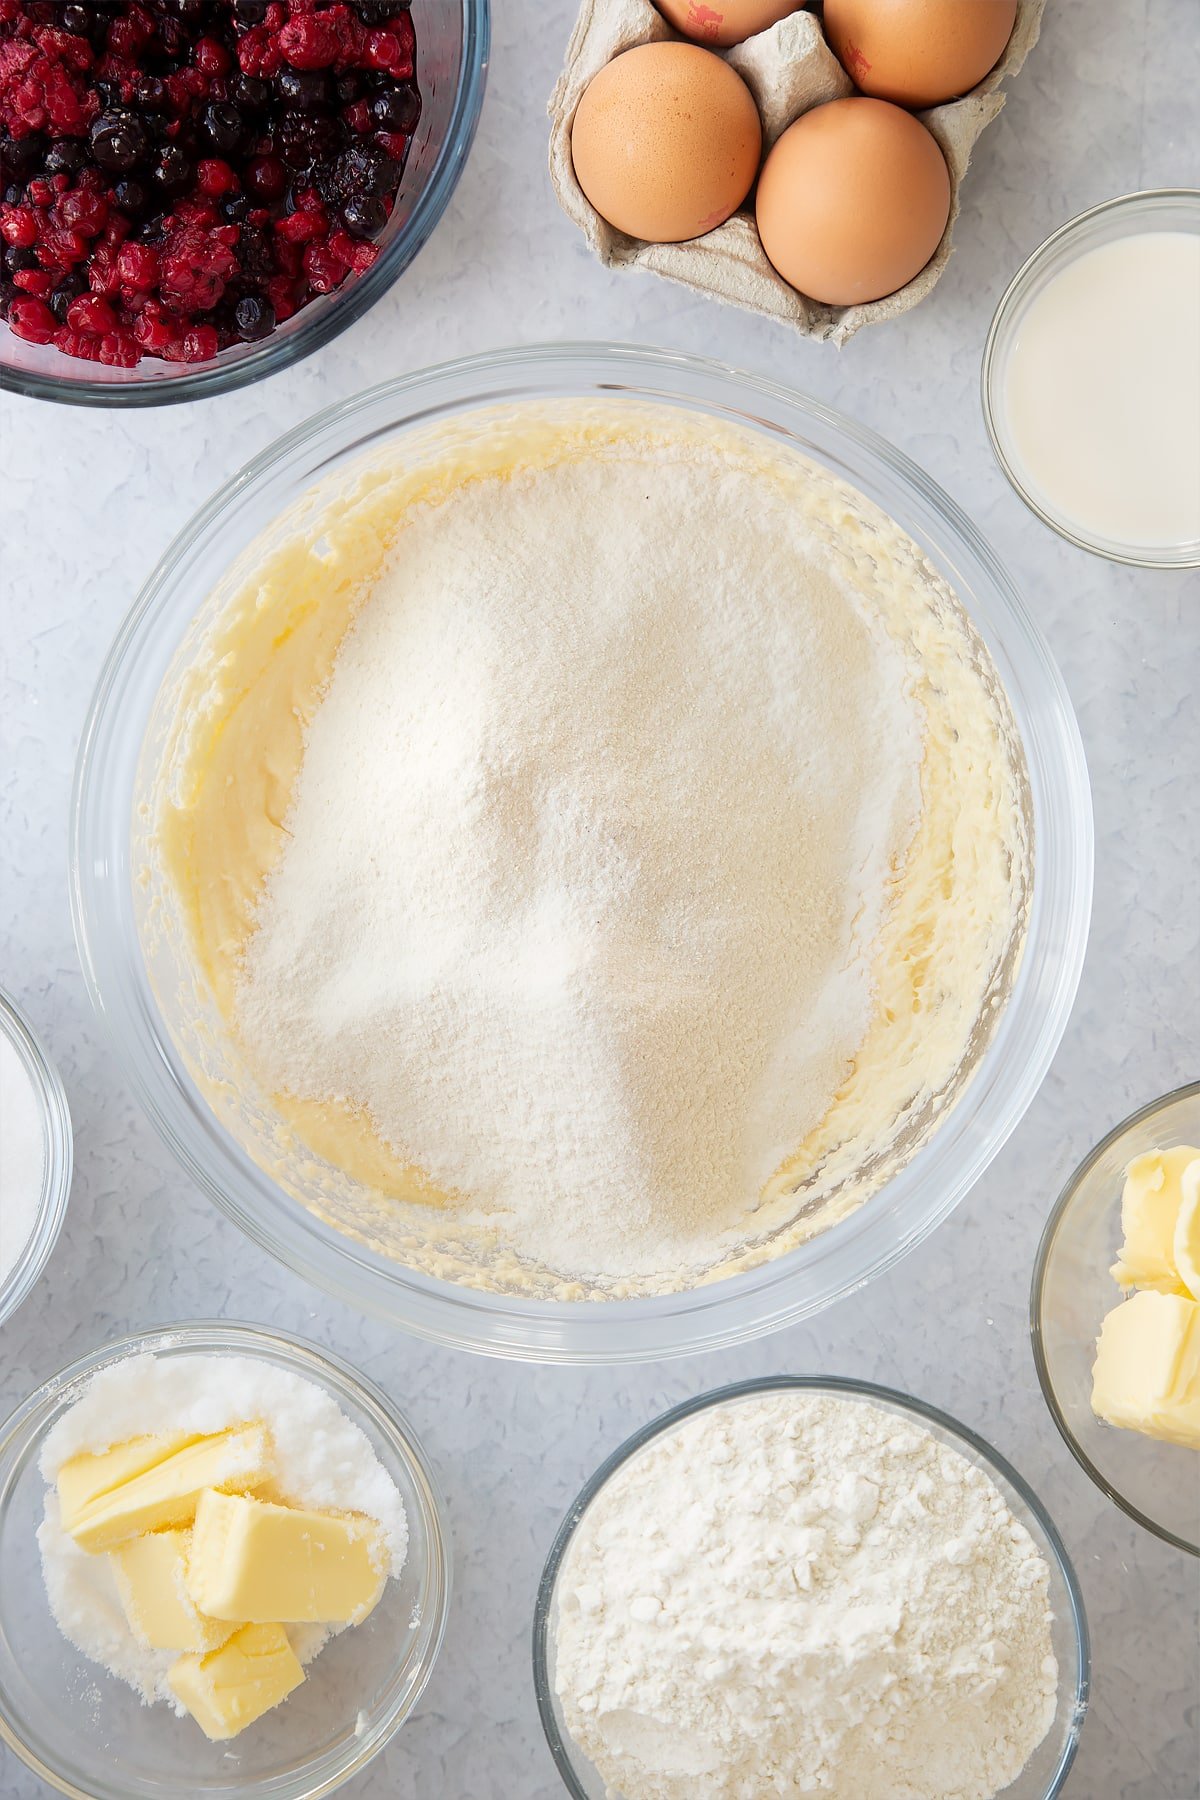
195 193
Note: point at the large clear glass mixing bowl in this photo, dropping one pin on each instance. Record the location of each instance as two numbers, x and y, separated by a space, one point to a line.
145 1029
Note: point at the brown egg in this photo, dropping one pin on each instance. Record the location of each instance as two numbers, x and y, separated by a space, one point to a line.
852 201
918 52
666 142
725 22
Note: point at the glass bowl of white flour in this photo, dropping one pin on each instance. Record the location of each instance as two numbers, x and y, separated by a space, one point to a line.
809 1585
36 1156
303 1159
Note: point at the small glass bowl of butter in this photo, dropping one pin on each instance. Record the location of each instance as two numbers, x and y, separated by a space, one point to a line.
88 1734
1107 1273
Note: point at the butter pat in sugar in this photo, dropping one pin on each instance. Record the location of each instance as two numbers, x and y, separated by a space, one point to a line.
83 1479
254 1560
231 1687
163 1493
1150 1209
1147 1371
150 1573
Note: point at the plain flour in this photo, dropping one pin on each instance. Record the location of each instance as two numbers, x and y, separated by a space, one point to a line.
589 853
322 1460
800 1594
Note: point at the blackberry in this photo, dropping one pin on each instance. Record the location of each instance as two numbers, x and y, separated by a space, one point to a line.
306 138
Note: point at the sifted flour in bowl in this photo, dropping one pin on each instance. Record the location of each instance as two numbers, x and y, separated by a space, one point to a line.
604 839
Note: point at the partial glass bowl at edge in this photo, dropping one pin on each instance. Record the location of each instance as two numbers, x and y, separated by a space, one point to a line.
57 1157
1155 1483
452 51
1046 1772
780 1291
1157 209
90 1736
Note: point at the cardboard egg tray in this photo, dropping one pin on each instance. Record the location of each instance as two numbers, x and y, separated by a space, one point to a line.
788 68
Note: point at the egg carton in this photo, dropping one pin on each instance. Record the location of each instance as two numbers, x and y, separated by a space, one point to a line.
789 69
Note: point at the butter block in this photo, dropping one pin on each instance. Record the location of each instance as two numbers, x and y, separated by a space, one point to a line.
1146 1376
1187 1230
85 1477
165 1495
1150 1206
229 1688
150 1573
251 1559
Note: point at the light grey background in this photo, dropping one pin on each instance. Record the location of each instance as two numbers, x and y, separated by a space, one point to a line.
1107 104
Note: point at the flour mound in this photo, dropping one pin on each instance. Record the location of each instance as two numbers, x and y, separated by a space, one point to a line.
796 1594
588 854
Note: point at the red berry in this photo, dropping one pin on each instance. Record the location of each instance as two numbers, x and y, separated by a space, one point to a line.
137 266
119 350
385 51
311 42
84 211
39 282
302 226
91 313
211 57
18 225
216 177
200 344
32 320
266 178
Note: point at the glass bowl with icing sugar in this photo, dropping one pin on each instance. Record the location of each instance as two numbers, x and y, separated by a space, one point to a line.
37 1151
265 1153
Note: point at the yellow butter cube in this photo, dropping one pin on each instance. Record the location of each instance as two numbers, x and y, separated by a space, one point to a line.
85 1477
229 1688
1150 1206
165 1495
1146 1376
150 1573
251 1559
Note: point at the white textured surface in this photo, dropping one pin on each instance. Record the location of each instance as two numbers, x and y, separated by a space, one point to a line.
1106 104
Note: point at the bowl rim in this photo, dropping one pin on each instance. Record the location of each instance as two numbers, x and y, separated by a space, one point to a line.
1142 201
871 1391
350 302
1187 1091
742 1305
312 1362
59 1168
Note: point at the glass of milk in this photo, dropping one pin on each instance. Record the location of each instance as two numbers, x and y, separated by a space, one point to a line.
1091 380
